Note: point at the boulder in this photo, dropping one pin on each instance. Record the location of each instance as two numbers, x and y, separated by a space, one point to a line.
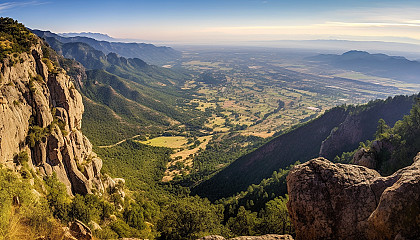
340 201
264 237
365 158
212 237
80 231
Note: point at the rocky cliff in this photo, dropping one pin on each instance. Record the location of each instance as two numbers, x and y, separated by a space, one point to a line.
339 201
361 124
40 114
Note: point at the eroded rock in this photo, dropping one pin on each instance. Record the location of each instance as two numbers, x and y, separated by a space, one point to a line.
340 201
263 237
35 96
80 231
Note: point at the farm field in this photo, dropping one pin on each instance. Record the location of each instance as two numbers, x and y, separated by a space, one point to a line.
260 93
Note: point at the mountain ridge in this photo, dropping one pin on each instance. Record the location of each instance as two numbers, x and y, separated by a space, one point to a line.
380 65
96 36
302 144
147 52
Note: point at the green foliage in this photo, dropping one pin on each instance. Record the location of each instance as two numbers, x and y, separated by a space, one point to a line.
275 217
400 143
346 157
103 127
219 153
22 158
138 108
405 140
381 130
38 78
106 233
59 201
133 216
140 165
14 37
257 196
11 185
122 229
244 223
37 133
31 86
302 143
190 218
23 214
50 65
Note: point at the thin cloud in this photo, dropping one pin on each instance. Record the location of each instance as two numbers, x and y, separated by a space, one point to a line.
9 5
330 28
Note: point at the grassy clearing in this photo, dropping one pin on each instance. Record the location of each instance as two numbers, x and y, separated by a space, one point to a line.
169 142
184 158
185 153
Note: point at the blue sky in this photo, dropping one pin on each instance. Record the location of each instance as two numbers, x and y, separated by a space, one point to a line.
225 20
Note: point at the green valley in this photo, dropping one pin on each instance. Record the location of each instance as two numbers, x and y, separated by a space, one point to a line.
121 140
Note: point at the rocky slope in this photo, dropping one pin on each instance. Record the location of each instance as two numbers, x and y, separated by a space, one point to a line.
339 201
40 114
264 237
148 52
361 125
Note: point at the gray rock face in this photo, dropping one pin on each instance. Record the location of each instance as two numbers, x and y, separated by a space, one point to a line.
212 237
369 157
30 92
339 201
347 133
264 237
366 158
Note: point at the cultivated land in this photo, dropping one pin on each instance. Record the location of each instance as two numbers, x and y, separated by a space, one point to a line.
270 91
260 93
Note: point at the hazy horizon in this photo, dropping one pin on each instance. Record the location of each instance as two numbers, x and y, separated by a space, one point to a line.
206 22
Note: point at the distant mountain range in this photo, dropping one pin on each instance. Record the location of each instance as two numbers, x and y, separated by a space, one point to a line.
96 36
140 97
380 65
147 52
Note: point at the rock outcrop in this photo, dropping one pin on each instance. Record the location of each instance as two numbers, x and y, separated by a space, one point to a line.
339 201
41 113
349 132
80 231
264 237
370 157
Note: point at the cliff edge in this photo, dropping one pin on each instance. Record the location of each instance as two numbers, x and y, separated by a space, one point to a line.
40 117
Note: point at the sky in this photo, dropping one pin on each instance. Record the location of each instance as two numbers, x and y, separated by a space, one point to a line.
222 21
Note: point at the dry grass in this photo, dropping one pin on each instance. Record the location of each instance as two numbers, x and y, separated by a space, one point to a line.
184 157
22 227
169 142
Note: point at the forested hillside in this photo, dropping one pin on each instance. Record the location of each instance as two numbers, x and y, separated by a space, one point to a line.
142 98
303 143
147 52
